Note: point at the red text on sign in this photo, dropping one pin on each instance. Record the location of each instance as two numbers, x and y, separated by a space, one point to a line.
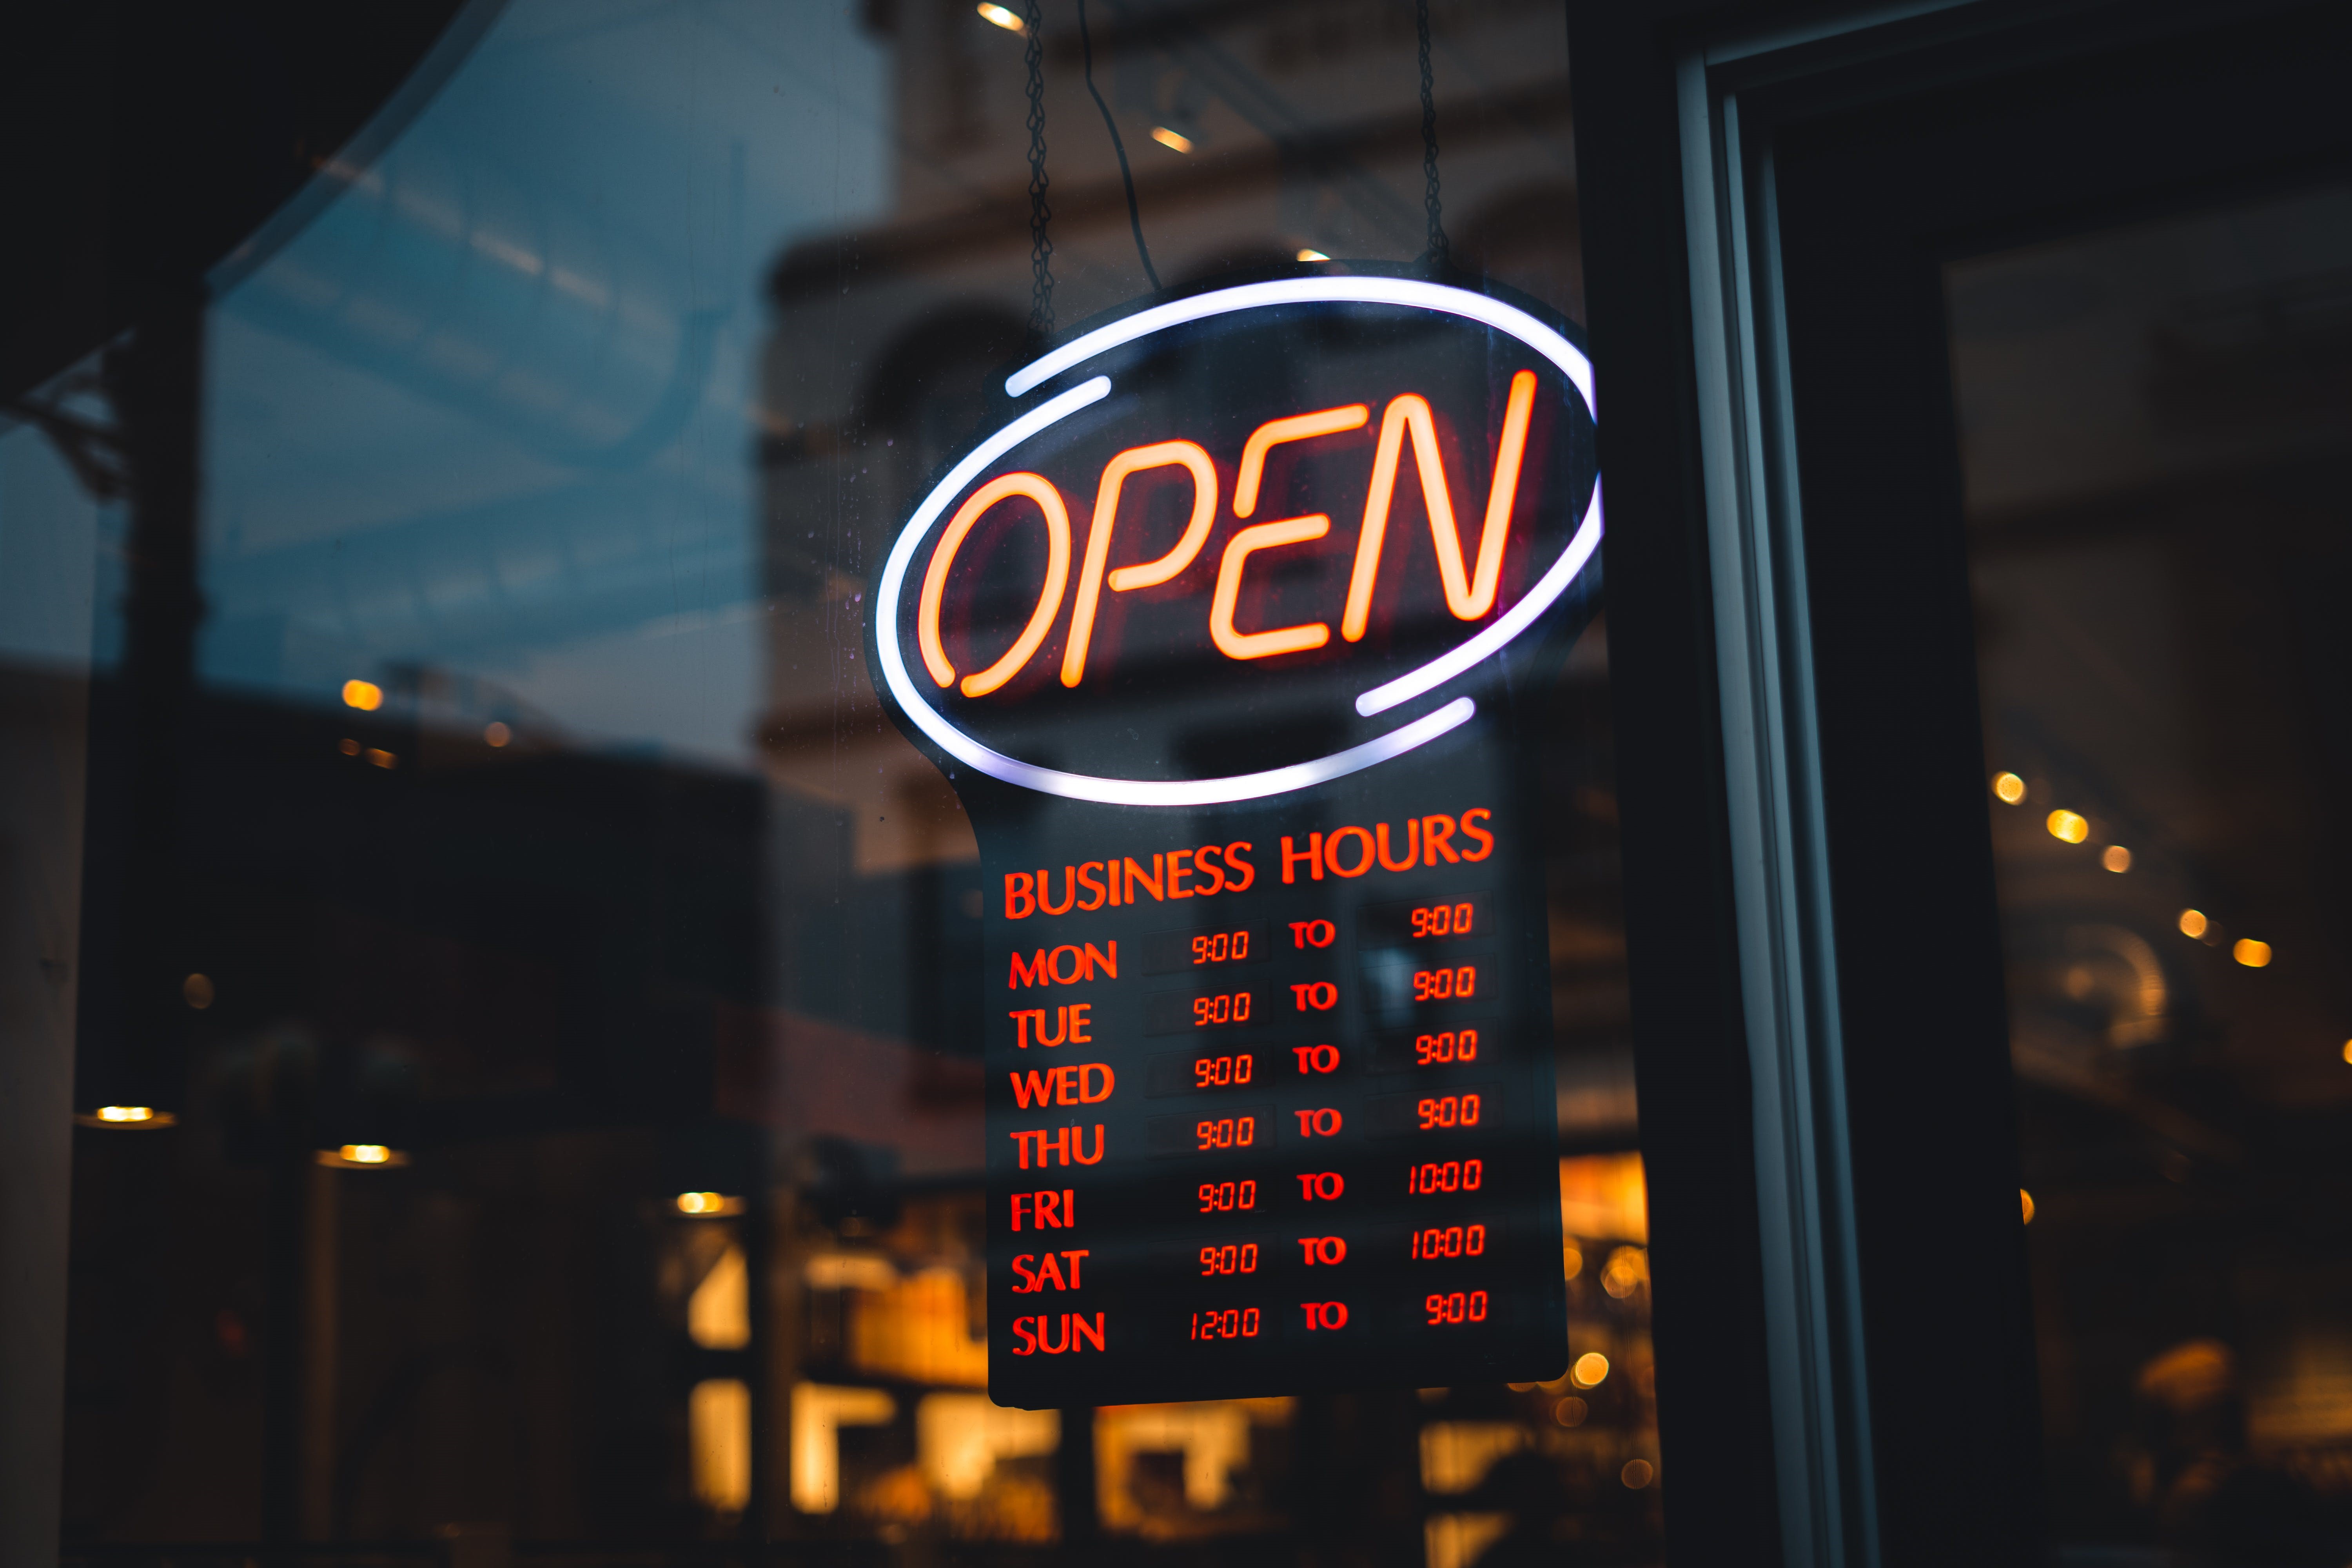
1453 1045
1217 1197
1047 1210
1449 1110
1079 1083
1049 1275
1225 947
1450 1241
1446 1176
1067 1144
1226 1132
1076 1333
1233 1258
1441 984
1457 1307
1443 919
1070 1023
1233 1323
1216 1072
1210 1011
1323 1249
1047 968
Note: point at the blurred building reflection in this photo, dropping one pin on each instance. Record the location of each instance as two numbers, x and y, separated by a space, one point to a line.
2152 419
532 821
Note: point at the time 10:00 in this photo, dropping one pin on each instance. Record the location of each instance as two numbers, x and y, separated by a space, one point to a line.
1446 1241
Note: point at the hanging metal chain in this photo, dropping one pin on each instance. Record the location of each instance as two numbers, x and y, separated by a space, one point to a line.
1438 255
1041 213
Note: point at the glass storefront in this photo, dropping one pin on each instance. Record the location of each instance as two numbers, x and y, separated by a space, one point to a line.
530 1073
2148 418
855 785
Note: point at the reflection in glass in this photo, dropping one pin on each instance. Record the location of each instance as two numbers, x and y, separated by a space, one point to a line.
577 1139
2153 421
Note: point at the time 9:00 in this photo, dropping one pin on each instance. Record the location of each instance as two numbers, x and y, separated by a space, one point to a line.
1443 919
1438 984
1453 1045
1222 947
1233 1008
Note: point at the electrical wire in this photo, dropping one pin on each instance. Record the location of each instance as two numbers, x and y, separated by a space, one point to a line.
1134 215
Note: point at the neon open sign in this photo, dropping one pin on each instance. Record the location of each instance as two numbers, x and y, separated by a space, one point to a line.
1325 505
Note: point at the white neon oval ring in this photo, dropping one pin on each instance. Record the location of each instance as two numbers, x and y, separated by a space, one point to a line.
1505 628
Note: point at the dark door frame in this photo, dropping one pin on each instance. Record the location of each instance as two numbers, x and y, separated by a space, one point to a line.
1846 1358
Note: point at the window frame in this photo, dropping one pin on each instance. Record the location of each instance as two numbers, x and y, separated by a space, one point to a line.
1772 883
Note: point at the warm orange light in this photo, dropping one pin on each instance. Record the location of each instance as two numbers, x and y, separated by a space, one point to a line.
1185 454
2071 826
1236 644
2347 1050
1627 1270
2009 786
383 759
2193 923
196 990
495 733
1175 141
1589 1370
1312 256
708 1205
2115 857
1038 489
1636 1474
1571 1411
1467 595
348 746
2025 1203
1275 432
2251 954
141 1117
363 695
361 1157
1004 19
718 1441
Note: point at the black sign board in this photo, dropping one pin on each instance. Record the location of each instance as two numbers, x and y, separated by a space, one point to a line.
1227 635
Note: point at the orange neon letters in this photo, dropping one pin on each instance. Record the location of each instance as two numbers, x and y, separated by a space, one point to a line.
1186 455
1273 432
1468 596
1471 587
1236 644
1037 488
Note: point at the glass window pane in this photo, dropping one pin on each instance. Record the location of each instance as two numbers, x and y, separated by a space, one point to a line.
541 1063
2151 421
